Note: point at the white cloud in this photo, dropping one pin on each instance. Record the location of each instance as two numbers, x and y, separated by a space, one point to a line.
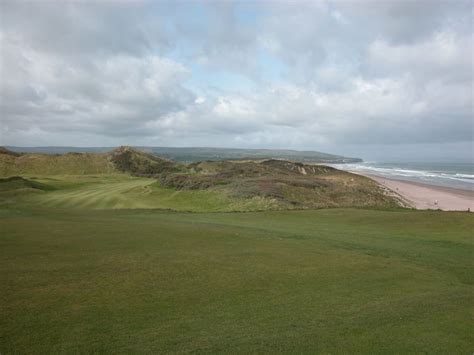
146 73
112 96
444 56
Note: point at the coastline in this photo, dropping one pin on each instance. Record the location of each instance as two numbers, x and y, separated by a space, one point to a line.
425 196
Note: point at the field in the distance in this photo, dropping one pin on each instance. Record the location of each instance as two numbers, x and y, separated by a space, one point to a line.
341 280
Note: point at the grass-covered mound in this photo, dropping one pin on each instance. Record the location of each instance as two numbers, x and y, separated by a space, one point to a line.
64 164
17 188
203 186
135 162
122 159
18 182
327 281
288 184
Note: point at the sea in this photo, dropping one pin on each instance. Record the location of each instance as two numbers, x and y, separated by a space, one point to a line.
455 175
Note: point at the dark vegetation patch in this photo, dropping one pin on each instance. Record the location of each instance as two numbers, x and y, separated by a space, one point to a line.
129 160
299 168
6 151
191 182
18 182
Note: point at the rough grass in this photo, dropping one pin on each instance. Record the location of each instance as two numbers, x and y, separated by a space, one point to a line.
64 164
328 281
135 162
292 185
122 159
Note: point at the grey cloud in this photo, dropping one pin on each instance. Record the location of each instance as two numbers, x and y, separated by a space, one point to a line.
365 73
445 56
402 22
116 93
78 29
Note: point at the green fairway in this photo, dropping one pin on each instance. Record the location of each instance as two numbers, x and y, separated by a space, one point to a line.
331 281
122 191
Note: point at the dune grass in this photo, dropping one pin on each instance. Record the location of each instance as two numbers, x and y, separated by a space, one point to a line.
44 164
144 281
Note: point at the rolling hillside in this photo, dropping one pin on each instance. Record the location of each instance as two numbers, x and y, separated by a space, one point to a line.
123 159
129 178
64 164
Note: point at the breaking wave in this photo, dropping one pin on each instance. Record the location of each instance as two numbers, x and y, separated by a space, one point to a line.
449 174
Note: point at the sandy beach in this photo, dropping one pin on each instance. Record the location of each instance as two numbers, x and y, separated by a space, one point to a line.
424 196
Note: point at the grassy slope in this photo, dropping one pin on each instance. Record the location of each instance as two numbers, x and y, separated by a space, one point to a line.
292 185
146 281
122 159
67 164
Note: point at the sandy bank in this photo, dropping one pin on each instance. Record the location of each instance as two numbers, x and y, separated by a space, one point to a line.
424 196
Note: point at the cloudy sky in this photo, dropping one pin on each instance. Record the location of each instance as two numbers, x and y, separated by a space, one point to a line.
383 80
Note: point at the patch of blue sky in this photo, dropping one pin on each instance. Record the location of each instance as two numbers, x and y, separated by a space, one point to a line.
196 17
247 13
219 80
271 68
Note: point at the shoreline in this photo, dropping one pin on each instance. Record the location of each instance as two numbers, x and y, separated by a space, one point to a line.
425 196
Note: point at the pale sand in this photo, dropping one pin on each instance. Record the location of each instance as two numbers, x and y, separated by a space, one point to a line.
424 196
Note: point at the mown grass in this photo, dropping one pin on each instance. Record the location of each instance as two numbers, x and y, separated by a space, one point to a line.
121 191
144 281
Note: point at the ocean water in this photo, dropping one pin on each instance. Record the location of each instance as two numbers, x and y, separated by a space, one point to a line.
457 175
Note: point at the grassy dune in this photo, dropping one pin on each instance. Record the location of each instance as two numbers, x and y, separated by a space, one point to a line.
331 281
203 186
66 164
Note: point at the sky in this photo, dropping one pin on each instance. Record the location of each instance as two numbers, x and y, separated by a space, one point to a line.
381 80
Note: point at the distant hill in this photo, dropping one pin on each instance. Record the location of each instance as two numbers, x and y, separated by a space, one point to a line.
190 155
122 159
54 164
